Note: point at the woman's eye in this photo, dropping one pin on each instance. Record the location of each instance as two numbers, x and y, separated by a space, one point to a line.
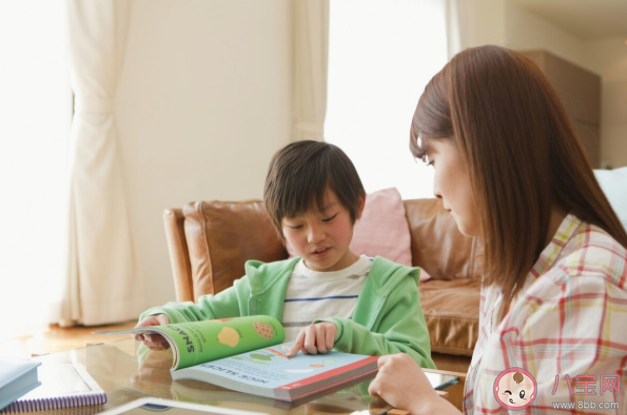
295 227
329 219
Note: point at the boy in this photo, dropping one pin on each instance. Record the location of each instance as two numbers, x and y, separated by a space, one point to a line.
313 196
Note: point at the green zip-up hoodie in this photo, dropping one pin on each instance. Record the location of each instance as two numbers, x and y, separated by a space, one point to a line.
387 317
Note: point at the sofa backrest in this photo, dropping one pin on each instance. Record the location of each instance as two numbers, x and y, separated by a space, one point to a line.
209 242
437 246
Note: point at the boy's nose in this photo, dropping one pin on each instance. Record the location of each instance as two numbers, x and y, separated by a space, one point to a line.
315 235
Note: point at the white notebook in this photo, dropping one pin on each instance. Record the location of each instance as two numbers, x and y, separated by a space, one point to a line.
17 377
62 386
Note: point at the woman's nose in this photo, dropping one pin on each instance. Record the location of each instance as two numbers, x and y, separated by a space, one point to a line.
436 191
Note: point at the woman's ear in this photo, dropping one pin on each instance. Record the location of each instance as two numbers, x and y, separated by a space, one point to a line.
362 205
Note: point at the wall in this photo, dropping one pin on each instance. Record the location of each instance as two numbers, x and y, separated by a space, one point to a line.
503 22
605 57
526 31
481 22
203 102
608 57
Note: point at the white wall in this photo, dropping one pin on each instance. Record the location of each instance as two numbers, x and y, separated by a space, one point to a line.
526 31
608 57
481 22
504 23
203 102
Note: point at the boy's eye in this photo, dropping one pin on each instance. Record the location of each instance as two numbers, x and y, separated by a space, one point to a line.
329 219
295 227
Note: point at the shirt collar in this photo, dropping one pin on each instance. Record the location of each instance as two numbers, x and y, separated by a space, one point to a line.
549 256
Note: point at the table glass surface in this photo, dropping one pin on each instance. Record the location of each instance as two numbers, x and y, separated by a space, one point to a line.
117 368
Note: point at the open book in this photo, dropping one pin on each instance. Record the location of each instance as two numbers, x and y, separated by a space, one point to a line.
203 341
247 354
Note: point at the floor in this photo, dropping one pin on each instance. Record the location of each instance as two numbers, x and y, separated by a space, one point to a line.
54 339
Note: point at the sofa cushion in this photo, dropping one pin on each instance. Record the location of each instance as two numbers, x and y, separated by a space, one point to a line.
451 310
382 229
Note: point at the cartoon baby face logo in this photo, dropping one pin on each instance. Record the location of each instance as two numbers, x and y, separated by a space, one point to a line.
515 388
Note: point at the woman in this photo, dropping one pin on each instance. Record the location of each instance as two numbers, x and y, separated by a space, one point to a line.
511 171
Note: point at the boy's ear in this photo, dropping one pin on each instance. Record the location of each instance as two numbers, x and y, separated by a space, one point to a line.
362 205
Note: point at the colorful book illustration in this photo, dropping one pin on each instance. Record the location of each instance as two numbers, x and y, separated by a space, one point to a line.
247 354
203 341
17 377
62 386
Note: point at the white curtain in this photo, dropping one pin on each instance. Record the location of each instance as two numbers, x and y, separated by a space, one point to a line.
103 284
311 50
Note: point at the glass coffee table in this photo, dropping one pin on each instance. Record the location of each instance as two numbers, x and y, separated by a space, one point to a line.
116 367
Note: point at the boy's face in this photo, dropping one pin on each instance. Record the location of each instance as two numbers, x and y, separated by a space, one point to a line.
322 239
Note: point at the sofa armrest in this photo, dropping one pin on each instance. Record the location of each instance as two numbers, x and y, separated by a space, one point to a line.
173 221
221 236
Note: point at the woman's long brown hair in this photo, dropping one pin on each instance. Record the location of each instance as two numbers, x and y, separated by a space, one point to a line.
521 151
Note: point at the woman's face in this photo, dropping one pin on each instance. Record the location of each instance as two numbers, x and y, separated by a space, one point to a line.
452 184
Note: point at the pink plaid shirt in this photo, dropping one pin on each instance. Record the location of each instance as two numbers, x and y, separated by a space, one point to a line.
570 318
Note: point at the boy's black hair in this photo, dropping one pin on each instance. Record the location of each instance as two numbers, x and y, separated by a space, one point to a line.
301 173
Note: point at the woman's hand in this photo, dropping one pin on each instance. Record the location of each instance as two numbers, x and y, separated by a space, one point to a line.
153 341
403 384
317 338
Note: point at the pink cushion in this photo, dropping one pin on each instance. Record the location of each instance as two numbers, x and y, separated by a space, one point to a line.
382 229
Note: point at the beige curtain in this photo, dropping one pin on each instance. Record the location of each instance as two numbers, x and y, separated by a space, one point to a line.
102 281
311 52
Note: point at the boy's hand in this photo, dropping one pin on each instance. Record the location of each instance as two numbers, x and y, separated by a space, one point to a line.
317 338
153 341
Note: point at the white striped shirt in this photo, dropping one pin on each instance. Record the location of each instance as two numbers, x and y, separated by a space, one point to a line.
312 295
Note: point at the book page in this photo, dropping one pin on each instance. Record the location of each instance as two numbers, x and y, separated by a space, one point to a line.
271 368
203 341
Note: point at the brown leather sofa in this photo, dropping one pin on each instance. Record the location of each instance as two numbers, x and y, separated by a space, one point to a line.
210 241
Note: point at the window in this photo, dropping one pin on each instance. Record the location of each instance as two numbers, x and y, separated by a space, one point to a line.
35 116
381 56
